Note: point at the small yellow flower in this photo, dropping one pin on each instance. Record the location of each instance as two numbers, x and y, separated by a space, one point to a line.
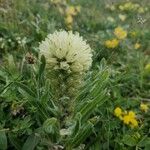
133 33
120 33
133 122
69 19
122 17
126 119
111 43
130 119
71 11
78 9
144 107
137 45
131 114
118 112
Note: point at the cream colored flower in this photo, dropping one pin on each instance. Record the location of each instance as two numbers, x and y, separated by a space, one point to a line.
66 51
110 19
122 17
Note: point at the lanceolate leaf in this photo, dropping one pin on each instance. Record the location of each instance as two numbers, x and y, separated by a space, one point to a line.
81 135
90 107
26 89
95 97
3 140
31 142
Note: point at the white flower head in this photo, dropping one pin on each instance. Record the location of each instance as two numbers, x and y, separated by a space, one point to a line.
67 51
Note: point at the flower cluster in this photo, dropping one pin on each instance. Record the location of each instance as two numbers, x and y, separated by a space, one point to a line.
144 107
137 45
122 17
70 13
67 10
110 7
130 6
128 118
112 43
66 51
120 33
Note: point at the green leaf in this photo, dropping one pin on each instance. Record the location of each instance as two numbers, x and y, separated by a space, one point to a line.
93 97
31 142
77 124
145 141
129 140
14 141
26 89
147 147
5 87
3 140
81 135
91 105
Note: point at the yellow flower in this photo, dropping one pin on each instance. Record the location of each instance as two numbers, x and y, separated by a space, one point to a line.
144 107
117 112
137 45
122 17
126 119
120 33
130 119
131 114
71 11
134 123
69 19
78 9
133 33
111 43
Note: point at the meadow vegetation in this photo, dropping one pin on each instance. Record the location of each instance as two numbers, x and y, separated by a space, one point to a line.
74 75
